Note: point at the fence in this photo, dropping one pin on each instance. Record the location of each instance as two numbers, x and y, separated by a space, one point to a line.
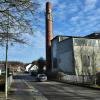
86 79
10 80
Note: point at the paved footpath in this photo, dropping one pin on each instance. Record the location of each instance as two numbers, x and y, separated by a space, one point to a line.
19 91
22 90
2 96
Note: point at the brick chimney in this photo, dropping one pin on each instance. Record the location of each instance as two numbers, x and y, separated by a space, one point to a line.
49 35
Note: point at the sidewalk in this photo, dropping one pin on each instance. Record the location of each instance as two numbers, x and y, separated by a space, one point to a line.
20 91
2 96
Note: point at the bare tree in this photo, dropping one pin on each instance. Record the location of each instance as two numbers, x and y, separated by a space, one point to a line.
41 63
16 20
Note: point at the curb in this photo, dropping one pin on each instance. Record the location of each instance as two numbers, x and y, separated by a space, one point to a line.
80 84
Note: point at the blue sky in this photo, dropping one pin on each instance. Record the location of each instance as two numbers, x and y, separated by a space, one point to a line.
70 17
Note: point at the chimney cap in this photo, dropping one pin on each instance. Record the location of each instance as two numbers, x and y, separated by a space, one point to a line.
48 3
48 6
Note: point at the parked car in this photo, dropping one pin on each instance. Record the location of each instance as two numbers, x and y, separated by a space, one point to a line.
33 73
41 77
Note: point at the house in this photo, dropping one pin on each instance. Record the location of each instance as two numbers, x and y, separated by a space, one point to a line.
33 68
2 68
27 67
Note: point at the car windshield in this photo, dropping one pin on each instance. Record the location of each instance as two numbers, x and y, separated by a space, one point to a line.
42 75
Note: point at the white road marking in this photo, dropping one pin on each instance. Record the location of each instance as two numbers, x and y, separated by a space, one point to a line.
35 93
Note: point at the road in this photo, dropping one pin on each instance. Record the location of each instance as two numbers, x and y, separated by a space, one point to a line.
51 90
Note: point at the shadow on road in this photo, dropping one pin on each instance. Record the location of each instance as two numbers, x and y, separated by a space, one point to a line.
2 87
25 77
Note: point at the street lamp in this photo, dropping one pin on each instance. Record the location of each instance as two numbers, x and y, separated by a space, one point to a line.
6 60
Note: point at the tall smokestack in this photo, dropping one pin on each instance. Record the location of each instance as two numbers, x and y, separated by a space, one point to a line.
49 35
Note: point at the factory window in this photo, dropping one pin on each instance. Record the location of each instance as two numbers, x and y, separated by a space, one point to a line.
86 60
88 42
93 43
80 42
96 43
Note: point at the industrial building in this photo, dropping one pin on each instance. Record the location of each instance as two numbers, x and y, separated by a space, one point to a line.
77 57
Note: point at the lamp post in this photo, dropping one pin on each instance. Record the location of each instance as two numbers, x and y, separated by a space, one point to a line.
6 81
6 60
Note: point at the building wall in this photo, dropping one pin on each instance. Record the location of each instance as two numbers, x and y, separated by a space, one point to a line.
87 56
65 56
79 58
54 54
62 55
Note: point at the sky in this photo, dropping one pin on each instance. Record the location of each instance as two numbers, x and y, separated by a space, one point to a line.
70 18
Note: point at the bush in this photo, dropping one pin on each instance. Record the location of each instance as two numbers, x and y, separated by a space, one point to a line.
56 75
98 78
60 75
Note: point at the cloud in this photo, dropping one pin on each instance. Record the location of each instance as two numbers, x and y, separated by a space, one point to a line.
70 17
90 4
26 53
63 10
2 53
75 18
39 40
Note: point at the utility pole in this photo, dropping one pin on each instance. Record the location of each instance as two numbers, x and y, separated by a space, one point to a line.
6 81
6 60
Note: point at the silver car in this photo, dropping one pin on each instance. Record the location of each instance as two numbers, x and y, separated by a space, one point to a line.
42 77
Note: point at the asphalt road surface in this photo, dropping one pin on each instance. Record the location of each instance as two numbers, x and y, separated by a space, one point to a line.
51 90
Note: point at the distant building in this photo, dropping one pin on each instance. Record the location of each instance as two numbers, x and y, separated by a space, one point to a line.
19 69
2 69
79 56
27 67
33 68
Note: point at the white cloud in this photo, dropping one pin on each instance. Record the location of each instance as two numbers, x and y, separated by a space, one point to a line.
63 10
76 18
90 4
39 40
70 18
